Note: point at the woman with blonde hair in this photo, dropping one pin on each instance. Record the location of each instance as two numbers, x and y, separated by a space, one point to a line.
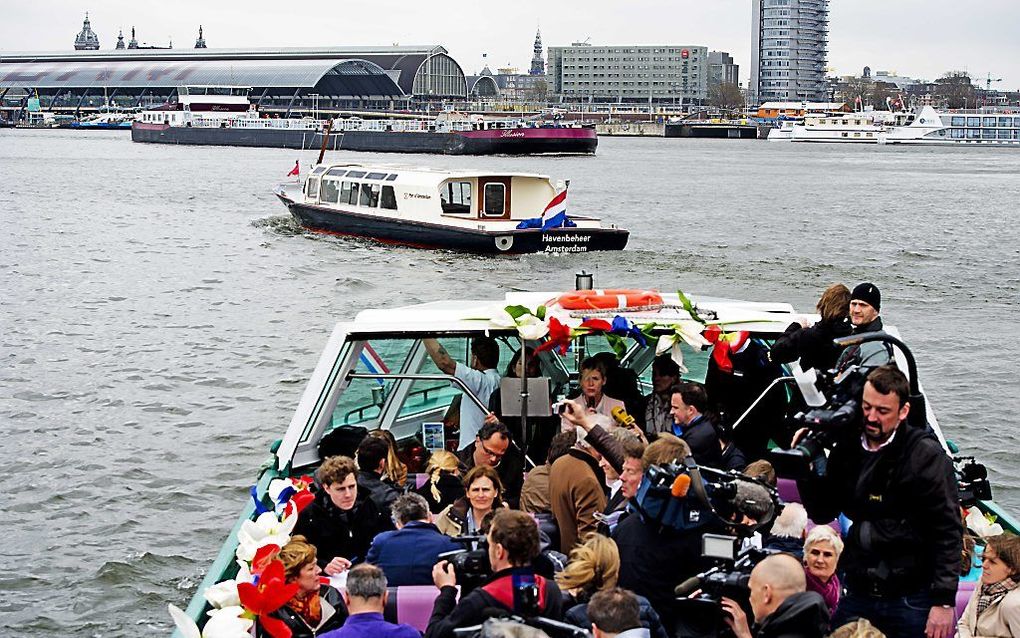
994 607
594 566
444 485
813 345
315 608
822 549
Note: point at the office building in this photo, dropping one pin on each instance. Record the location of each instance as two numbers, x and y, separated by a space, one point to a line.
788 50
721 69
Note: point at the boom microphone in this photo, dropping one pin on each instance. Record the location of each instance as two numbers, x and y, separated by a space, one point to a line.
685 588
753 500
680 486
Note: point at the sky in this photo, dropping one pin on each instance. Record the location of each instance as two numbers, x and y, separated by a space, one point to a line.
915 38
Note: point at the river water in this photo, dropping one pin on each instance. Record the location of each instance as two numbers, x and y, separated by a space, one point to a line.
160 315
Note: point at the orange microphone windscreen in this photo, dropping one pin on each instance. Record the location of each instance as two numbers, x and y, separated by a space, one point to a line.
680 486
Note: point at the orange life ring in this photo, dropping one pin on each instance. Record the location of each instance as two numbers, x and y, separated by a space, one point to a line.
608 299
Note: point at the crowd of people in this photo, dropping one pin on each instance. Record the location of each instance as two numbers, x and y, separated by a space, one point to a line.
565 541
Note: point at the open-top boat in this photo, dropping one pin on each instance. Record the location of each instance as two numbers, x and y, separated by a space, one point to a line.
470 210
374 372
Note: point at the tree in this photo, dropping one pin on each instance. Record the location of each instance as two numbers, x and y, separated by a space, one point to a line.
725 96
955 90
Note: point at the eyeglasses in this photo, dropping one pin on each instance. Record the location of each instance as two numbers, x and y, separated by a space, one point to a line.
496 456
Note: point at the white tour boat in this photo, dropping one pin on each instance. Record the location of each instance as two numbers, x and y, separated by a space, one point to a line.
984 127
375 373
855 128
470 210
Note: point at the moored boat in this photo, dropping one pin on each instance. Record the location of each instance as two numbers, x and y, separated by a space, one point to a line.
983 127
469 210
350 387
854 128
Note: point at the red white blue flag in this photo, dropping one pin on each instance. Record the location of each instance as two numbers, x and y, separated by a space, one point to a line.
373 362
555 214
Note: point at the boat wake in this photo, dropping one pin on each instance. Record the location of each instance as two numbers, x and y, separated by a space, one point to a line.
283 225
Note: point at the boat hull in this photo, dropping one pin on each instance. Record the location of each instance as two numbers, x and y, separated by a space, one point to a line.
489 142
429 235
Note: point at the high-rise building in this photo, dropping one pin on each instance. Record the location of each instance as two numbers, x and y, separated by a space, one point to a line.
537 61
664 73
721 69
86 40
788 50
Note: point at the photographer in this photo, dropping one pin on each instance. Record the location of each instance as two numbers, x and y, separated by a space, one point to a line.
514 587
896 483
780 604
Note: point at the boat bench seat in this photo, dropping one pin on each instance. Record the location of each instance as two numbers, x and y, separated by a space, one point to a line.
411 605
415 481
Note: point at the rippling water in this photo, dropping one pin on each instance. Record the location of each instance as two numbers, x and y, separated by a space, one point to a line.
160 314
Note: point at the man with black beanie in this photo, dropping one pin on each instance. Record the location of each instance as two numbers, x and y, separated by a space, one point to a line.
865 304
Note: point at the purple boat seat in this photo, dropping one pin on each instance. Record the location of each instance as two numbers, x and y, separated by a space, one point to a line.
963 594
415 481
787 489
411 605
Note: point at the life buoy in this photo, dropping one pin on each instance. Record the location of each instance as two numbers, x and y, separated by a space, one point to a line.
608 299
504 242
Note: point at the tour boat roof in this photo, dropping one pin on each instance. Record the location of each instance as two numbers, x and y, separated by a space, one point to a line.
426 176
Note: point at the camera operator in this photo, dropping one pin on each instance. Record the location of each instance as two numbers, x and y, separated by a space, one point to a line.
780 604
896 483
513 588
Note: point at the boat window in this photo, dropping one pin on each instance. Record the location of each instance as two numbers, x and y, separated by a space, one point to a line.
388 199
352 194
1016 134
958 133
959 120
370 195
973 121
312 190
988 134
988 121
1005 121
356 174
336 172
330 191
345 192
1016 122
391 177
973 133
375 176
494 200
1005 134
318 169
456 197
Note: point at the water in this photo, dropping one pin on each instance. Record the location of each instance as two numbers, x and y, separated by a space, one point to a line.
160 314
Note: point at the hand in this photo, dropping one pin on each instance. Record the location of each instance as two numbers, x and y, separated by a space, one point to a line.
735 618
577 416
337 566
443 576
940 622
797 436
491 419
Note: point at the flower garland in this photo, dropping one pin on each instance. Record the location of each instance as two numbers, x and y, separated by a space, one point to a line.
260 587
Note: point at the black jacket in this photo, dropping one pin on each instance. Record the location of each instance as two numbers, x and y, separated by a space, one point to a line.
300 629
903 499
450 488
577 615
510 470
733 458
335 532
802 615
703 440
496 594
812 345
381 492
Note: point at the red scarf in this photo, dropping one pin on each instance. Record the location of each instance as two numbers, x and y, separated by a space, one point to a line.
309 608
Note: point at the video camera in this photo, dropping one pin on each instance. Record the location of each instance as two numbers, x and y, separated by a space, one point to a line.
471 564
689 497
972 478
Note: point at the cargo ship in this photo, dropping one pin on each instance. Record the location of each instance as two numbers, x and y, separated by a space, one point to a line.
223 116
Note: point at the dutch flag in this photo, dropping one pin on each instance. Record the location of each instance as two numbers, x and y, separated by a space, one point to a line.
555 214
373 362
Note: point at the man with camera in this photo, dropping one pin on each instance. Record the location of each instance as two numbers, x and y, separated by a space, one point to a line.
896 483
514 588
779 602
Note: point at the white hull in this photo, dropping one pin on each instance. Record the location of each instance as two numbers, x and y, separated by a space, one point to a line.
961 128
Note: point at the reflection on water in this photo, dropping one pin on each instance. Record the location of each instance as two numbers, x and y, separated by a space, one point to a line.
161 314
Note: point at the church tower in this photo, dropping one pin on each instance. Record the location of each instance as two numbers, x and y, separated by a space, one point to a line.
133 43
120 39
200 42
537 61
87 40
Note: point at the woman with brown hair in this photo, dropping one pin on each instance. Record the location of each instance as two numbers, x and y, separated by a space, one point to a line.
994 607
813 345
396 471
466 515
315 608
595 566
444 485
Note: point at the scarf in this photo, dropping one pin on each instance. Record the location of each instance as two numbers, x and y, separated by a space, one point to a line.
992 594
829 591
309 608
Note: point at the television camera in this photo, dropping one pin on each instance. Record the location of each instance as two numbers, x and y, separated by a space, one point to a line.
972 478
470 564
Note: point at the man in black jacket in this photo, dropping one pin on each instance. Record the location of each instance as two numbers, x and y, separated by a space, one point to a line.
494 448
781 606
372 455
514 587
896 483
688 404
865 304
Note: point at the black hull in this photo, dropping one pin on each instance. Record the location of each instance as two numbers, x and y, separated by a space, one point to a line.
367 141
426 235
717 131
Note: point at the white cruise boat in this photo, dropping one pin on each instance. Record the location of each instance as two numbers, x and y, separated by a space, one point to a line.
971 127
863 127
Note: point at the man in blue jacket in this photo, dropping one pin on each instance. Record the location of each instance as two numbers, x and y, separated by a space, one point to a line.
408 554
366 599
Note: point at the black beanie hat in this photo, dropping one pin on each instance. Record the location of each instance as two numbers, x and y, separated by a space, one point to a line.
869 294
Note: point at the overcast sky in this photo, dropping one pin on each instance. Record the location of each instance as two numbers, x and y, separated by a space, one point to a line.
916 38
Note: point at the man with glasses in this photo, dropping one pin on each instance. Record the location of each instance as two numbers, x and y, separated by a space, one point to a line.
492 447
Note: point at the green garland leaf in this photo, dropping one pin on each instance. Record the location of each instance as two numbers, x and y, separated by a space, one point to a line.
517 311
688 306
617 343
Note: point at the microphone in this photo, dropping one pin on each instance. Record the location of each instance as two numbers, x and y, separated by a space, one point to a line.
685 588
680 486
622 418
